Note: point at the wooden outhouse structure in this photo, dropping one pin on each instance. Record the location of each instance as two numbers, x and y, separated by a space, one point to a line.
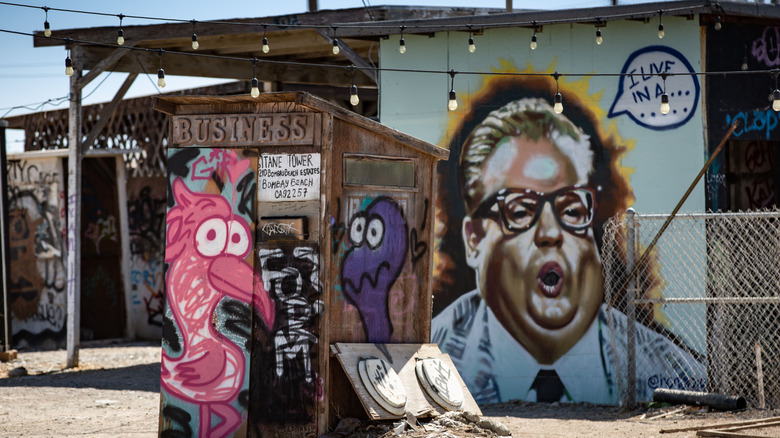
299 241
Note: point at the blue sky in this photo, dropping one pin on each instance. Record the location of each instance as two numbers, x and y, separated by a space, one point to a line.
29 77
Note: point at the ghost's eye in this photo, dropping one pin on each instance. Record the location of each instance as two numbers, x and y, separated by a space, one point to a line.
211 236
357 229
238 243
375 232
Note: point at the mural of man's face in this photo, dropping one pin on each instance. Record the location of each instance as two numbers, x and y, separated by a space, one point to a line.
536 261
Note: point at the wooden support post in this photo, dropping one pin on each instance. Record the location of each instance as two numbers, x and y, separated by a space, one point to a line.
74 214
124 224
760 377
4 246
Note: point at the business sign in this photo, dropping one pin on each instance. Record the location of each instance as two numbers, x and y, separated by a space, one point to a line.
289 177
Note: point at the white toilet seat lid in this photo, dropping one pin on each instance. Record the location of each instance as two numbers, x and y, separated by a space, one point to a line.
383 384
440 382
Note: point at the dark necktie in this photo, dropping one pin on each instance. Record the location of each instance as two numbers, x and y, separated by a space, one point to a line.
548 386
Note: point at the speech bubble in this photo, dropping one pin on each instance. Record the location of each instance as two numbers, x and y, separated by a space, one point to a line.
641 87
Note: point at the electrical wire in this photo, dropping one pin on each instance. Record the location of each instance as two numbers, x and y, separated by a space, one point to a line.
69 41
53 102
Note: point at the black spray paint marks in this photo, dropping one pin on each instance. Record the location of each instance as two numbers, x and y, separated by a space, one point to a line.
417 247
170 334
179 165
178 417
238 320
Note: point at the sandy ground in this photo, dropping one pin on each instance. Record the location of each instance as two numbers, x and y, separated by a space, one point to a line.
115 393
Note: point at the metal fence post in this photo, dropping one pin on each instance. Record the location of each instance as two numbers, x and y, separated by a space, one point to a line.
630 395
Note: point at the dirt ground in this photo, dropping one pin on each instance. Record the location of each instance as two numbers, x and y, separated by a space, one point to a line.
115 393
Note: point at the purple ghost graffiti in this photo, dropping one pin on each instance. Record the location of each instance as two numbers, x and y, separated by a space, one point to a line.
378 247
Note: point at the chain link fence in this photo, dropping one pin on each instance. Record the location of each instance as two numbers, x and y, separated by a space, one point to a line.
702 312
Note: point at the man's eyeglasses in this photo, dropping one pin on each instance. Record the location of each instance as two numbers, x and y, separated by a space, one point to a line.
519 209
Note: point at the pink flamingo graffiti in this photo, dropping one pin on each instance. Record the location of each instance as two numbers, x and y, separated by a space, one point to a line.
206 246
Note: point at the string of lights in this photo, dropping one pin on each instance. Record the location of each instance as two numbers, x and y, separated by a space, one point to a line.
379 25
452 102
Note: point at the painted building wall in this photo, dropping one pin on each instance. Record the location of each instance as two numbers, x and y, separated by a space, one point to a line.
744 177
518 288
209 256
36 294
146 208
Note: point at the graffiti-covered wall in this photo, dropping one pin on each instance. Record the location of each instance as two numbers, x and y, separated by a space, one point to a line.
744 177
146 231
210 286
36 293
518 283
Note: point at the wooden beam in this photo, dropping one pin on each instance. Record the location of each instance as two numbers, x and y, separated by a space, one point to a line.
722 425
74 218
148 63
108 112
722 434
353 56
107 34
5 253
102 66
124 224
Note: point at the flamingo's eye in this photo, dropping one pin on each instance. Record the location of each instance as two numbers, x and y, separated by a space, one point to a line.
211 237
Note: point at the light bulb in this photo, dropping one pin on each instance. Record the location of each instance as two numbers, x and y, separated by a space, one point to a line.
776 100
472 47
661 30
599 38
533 42
68 67
744 65
266 47
558 107
336 49
402 46
195 44
255 89
161 78
120 37
353 96
452 104
46 28
718 24
665 108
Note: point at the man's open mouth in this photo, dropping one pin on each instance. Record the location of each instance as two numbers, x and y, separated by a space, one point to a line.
550 279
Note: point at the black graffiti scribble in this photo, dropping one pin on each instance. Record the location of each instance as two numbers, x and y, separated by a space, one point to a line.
179 165
418 248
291 276
179 417
238 320
170 334
247 189
337 229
